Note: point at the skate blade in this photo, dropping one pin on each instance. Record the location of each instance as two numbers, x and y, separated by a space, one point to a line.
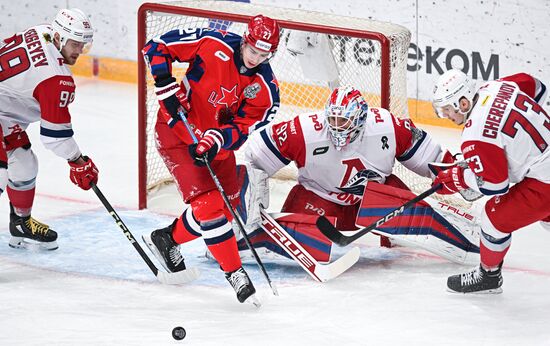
24 243
254 301
491 291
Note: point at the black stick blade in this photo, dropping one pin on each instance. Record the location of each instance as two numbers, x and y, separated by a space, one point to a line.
328 229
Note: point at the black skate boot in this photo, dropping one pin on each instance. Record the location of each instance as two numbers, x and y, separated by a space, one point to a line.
477 280
165 249
24 228
242 285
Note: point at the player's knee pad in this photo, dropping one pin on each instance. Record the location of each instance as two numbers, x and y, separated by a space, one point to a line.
208 206
22 169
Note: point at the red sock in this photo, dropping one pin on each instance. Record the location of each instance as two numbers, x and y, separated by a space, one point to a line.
227 254
186 228
22 201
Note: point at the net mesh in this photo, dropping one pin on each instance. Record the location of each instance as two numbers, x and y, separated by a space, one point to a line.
348 58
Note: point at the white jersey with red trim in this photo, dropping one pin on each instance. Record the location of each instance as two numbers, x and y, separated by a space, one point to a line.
506 136
323 169
36 85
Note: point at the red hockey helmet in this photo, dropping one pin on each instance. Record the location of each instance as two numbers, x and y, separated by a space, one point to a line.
263 33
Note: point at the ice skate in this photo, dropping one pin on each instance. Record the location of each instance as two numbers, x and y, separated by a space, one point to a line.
165 249
242 285
28 232
477 280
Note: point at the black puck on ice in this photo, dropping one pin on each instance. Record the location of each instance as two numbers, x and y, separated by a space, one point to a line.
178 333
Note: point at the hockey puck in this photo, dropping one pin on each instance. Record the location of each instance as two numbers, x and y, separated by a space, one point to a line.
178 333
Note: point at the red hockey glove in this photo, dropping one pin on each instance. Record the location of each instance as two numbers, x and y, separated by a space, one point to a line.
171 98
451 180
83 173
447 161
208 146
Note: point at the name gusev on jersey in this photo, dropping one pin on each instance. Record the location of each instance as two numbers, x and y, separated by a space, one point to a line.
36 85
322 169
222 92
506 136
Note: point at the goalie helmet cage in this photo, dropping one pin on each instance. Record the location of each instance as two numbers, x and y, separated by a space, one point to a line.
367 54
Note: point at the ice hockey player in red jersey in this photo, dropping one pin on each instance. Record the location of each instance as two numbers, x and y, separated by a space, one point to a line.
36 85
505 142
337 153
228 91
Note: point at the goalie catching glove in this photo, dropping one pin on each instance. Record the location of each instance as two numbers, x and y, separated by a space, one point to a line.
83 172
207 147
171 98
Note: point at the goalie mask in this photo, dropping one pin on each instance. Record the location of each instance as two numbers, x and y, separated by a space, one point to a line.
450 88
345 115
263 34
73 24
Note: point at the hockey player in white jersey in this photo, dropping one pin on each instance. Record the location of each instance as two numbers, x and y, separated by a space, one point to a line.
337 152
505 141
36 85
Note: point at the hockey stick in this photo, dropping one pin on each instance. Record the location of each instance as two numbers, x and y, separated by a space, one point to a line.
229 207
181 277
328 229
319 272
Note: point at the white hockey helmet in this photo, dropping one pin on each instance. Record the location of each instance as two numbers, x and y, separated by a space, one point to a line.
450 88
75 25
345 115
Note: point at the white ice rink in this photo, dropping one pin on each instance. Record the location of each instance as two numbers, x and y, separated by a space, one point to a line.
96 290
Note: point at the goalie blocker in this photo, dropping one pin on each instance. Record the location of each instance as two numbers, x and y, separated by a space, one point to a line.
434 226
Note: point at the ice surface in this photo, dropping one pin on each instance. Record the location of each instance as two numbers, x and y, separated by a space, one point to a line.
96 290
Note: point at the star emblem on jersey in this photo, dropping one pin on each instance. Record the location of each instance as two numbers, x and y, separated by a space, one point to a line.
229 97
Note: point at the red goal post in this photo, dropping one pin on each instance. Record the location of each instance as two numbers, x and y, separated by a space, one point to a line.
317 52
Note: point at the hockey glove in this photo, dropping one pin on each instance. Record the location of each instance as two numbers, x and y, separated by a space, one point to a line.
171 98
207 148
83 172
451 180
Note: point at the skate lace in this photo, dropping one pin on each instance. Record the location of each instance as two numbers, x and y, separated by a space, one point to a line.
471 277
238 280
37 227
175 255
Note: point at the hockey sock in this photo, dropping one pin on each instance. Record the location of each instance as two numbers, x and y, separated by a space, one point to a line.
186 228
493 250
220 240
22 200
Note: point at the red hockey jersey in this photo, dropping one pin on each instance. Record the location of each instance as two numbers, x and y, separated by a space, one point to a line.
223 93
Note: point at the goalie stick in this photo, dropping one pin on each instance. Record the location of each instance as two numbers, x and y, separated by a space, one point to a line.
181 277
328 229
228 205
319 272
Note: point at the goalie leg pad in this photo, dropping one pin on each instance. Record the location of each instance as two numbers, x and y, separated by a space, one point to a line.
300 227
302 201
420 226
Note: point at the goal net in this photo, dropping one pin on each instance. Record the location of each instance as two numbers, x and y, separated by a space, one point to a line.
318 51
